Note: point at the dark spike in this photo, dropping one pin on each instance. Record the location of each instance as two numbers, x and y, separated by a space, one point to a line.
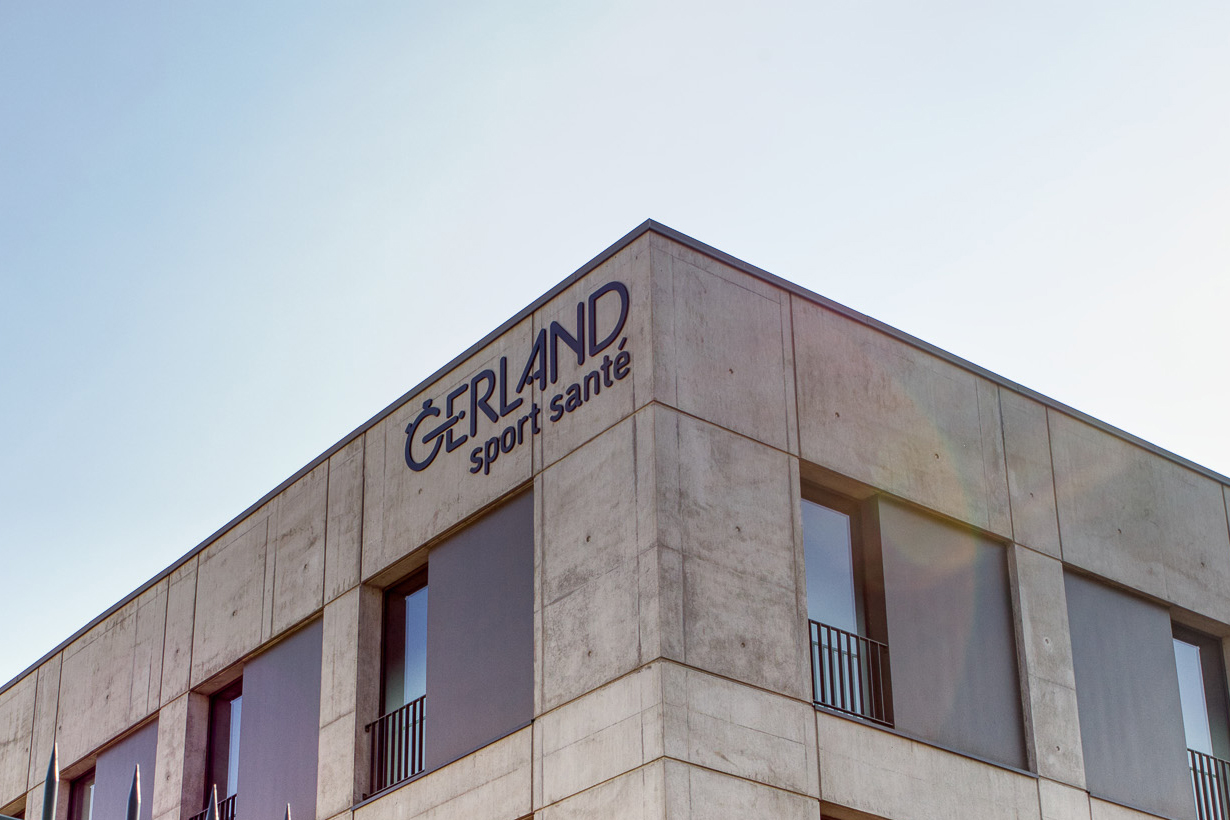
134 795
211 811
288 811
51 786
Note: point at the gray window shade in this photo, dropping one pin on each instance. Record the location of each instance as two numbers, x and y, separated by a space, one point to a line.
480 633
281 729
113 774
952 643
1127 694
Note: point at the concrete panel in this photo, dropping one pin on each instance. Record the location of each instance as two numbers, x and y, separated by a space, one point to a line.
612 730
740 730
716 311
408 508
177 641
740 629
335 772
695 793
1102 810
887 775
735 504
598 570
297 540
491 784
110 676
1047 652
230 596
890 415
1131 721
591 636
589 513
340 658
16 720
637 795
1141 520
1031 482
344 527
46 704
147 654
616 398
1060 802
740 608
182 735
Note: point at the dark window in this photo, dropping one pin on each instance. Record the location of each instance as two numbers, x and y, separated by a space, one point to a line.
405 642
81 797
1206 719
849 666
225 718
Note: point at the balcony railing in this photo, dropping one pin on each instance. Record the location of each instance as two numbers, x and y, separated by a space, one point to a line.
1210 779
849 673
397 745
226 810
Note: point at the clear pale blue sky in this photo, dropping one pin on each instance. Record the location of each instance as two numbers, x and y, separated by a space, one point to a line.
230 233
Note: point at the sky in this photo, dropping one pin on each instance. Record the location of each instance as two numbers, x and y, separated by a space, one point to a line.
230 233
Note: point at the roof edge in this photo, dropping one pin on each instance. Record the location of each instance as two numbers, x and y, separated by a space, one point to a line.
648 226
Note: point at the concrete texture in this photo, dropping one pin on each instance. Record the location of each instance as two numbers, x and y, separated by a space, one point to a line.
610 731
739 730
886 775
1060 802
703 310
177 640
344 524
1031 481
230 597
590 567
297 542
490 784
891 416
1046 649
16 707
740 607
339 781
1140 520
46 706
110 676
183 730
639 794
696 793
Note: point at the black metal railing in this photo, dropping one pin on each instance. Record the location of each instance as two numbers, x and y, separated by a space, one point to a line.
849 673
1211 780
397 745
226 810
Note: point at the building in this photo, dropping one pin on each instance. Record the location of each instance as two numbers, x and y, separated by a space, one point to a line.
699 544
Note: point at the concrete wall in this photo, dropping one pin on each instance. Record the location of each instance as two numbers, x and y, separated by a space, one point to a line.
669 649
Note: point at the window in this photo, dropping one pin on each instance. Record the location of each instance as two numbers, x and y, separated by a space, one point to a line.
222 764
849 668
1203 702
469 654
81 797
881 573
405 643
397 737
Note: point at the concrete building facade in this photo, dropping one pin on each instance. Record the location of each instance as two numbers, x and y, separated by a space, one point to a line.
680 540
